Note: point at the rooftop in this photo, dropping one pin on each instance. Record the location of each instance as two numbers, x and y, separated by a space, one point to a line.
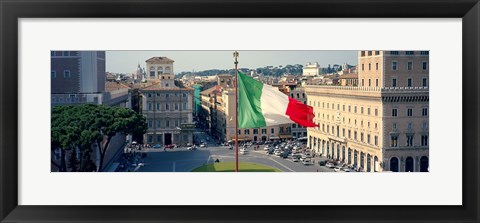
159 60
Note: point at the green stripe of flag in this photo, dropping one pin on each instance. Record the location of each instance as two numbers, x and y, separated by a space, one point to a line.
249 106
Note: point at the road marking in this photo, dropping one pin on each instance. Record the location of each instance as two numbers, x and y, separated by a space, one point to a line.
173 167
286 167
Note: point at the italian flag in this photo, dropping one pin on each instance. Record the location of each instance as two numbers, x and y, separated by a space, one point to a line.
261 105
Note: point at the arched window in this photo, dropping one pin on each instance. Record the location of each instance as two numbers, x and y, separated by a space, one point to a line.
152 71
394 164
424 164
160 70
167 70
409 164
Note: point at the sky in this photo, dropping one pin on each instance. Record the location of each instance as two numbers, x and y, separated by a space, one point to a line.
127 61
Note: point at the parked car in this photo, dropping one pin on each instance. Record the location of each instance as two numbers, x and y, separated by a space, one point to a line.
330 165
321 163
307 161
266 148
277 152
296 157
270 151
203 145
158 146
336 169
284 155
171 146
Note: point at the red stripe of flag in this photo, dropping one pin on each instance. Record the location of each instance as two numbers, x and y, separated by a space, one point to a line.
300 113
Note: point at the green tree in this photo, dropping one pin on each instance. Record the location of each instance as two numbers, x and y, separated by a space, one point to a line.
84 125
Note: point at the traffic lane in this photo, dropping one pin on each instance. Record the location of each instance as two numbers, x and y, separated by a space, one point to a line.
178 160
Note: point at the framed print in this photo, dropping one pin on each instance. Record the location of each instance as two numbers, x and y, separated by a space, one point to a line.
347 111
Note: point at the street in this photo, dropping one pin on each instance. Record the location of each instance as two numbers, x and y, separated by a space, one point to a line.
183 160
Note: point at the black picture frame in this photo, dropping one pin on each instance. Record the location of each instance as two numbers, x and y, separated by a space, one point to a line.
12 10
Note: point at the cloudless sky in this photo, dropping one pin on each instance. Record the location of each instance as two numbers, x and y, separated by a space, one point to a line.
127 61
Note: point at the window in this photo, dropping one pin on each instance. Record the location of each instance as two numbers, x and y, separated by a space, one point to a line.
66 73
255 131
363 82
239 132
349 134
184 95
176 106
369 66
409 82
377 52
167 70
149 106
409 140
369 82
424 111
343 107
298 95
368 111
291 95
423 52
393 141
264 131
167 95
184 106
160 70
303 95
167 123
167 106
363 68
363 53
349 108
272 131
425 126
376 111
328 129
409 112
53 74
355 135
355 109
176 122
152 71
394 65
409 65
394 82
394 126
394 52
159 123
368 138
150 139
343 132
369 53
424 140
158 106
376 66
361 137
424 65
409 126
376 82
394 112
424 82
150 123
246 132
361 110
376 140
409 53
323 127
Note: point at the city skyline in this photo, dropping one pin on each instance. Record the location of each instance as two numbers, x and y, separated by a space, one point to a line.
127 61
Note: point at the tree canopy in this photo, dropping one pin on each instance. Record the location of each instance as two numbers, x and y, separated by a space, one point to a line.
80 126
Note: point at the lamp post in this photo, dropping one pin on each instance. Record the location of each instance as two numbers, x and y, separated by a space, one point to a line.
235 55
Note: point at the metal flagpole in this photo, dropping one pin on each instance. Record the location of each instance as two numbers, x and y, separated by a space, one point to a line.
235 55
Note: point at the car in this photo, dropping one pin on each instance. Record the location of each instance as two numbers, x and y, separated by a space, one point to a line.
321 163
296 157
337 169
284 155
189 144
346 169
329 165
158 146
307 161
270 151
277 152
171 146
203 145
243 151
266 148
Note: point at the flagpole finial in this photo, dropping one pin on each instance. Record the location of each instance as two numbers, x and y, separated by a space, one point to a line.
235 55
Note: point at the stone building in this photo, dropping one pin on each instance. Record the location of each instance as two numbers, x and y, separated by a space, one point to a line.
167 105
381 124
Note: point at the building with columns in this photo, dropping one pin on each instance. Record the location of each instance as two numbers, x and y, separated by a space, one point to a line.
381 124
